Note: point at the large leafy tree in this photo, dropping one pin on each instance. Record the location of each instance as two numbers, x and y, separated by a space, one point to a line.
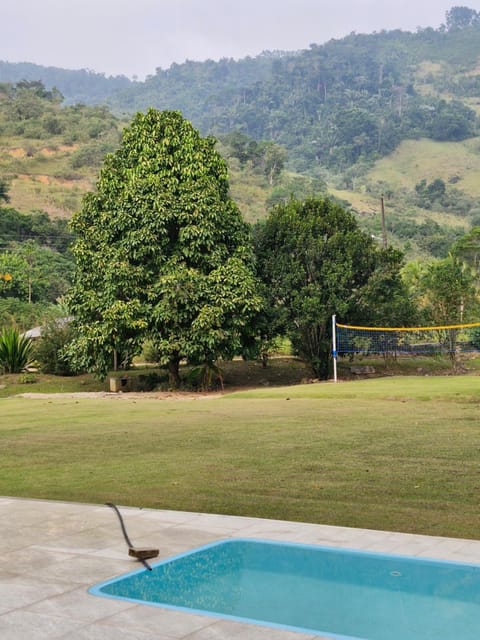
385 300
448 296
315 262
449 292
162 252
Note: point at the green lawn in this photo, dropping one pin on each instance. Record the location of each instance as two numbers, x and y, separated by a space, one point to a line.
397 453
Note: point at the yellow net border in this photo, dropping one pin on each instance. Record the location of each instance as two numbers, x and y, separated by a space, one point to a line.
410 329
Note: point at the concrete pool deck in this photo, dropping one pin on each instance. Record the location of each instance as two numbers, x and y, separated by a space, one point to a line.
53 551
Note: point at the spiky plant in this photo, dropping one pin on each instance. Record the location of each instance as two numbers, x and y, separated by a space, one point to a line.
206 375
15 351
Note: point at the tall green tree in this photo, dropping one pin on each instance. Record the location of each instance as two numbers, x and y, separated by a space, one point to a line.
162 252
385 299
449 292
449 297
316 262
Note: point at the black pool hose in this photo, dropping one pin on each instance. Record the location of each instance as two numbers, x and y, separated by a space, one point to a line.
125 534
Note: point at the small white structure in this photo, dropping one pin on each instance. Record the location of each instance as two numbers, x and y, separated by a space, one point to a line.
36 332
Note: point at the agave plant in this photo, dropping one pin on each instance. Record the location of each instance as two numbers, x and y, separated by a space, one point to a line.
16 351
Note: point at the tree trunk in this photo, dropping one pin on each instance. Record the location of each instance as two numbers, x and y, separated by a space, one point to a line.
173 371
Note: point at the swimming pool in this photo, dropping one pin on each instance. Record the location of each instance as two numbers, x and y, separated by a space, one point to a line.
327 591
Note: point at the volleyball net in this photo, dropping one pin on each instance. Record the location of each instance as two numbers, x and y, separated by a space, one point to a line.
446 339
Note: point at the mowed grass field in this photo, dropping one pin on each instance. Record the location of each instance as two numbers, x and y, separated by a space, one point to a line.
397 453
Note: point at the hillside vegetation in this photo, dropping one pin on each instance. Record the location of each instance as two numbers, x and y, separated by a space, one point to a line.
83 85
391 114
51 154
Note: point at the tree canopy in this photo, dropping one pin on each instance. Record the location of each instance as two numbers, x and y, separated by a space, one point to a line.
450 295
461 17
315 262
162 252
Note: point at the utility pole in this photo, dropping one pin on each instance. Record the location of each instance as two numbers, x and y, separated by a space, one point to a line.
384 230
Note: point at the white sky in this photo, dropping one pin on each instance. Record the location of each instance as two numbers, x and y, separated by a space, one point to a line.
134 37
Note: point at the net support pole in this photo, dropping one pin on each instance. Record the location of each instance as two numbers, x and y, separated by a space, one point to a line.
334 346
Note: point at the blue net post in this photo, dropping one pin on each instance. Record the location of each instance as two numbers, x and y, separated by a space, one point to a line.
334 347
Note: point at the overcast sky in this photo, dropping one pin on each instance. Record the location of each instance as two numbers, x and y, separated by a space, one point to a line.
134 37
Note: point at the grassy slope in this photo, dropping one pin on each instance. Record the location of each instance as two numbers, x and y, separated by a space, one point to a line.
394 454
41 176
414 160
411 162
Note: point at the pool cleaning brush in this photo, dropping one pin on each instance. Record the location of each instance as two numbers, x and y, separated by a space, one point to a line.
141 554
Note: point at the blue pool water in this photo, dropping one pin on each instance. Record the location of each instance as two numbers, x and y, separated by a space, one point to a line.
327 591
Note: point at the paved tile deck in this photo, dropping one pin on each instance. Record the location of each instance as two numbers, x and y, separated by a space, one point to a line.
53 551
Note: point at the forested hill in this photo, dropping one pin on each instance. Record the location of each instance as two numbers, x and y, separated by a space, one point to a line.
79 86
91 88
335 104
331 106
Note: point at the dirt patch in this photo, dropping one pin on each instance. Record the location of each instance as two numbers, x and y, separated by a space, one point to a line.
49 180
18 152
49 151
152 395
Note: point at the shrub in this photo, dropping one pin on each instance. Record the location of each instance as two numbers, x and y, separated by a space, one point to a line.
148 382
49 351
27 378
475 337
23 314
91 155
16 351
205 376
